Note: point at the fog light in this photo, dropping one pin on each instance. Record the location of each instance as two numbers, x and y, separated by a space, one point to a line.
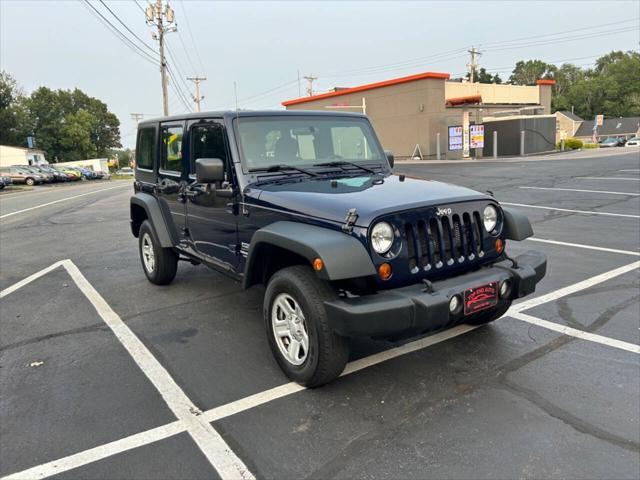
505 289
499 246
384 271
454 304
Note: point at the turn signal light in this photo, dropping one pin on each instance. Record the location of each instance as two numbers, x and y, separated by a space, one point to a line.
499 245
318 264
384 271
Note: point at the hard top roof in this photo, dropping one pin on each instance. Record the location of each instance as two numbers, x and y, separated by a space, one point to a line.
230 114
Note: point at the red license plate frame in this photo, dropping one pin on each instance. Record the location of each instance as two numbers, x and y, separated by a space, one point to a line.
480 298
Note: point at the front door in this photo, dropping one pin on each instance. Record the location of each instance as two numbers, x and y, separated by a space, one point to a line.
211 219
172 175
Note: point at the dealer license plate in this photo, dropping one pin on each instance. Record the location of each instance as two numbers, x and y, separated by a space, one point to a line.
480 298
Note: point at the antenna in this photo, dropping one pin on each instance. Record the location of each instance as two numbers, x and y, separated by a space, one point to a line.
235 92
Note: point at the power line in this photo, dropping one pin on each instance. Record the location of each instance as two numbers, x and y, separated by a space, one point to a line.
557 33
179 73
190 31
123 38
501 45
128 29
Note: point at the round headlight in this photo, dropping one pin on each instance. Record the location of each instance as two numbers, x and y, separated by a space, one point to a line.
382 237
490 218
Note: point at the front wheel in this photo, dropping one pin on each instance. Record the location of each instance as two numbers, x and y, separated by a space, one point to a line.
159 264
301 339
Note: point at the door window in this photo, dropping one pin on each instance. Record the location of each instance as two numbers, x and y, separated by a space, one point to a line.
171 160
207 141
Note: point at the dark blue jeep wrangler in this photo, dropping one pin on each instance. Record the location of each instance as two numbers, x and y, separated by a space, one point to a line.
306 204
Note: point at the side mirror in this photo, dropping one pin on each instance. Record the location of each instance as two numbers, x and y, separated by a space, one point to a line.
209 170
390 157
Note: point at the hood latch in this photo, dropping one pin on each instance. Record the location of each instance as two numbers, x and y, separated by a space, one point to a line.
350 220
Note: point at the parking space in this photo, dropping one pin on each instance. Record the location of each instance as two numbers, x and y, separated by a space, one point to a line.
139 381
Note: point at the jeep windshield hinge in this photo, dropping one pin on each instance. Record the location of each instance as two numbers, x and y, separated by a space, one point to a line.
350 220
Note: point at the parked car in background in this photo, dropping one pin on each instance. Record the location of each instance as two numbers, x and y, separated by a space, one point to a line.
5 180
58 176
72 174
611 142
125 171
633 142
20 175
48 177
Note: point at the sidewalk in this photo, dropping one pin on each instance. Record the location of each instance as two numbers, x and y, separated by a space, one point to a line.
568 155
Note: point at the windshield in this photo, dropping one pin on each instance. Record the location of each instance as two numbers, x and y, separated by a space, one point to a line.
305 141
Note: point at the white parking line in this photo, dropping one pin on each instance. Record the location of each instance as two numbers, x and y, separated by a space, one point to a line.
143 438
61 200
587 247
630 170
584 191
611 178
584 212
573 332
575 288
210 442
29 279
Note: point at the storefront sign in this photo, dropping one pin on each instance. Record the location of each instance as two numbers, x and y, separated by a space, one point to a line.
455 138
477 136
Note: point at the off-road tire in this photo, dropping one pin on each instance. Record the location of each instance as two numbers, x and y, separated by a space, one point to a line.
490 315
165 259
328 352
30 181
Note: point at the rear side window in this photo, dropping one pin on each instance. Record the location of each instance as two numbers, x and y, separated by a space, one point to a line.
171 149
145 150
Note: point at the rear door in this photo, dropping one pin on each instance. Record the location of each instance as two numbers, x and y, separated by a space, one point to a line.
172 175
211 219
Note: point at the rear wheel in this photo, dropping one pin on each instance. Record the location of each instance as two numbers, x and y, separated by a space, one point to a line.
30 181
159 264
489 316
301 339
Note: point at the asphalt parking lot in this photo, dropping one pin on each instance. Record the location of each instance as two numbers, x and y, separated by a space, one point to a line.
103 375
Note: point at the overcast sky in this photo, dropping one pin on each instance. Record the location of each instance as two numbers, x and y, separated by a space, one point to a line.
262 45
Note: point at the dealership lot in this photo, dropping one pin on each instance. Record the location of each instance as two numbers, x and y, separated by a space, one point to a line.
104 375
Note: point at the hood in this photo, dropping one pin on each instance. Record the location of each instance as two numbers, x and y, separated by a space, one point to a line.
371 196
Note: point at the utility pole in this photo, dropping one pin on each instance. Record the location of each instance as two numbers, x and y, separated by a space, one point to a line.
161 17
310 79
197 97
473 65
136 117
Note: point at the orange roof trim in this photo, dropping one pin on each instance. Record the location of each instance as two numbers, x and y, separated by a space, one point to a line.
545 81
369 86
471 99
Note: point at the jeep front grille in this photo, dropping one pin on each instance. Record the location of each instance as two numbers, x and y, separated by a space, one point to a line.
445 240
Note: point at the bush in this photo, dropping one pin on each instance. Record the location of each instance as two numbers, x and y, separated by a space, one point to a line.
572 144
590 145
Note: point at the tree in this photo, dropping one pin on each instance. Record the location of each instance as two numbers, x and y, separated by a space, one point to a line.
70 125
482 76
528 72
12 115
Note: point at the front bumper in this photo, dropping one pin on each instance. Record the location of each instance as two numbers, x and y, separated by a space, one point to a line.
413 310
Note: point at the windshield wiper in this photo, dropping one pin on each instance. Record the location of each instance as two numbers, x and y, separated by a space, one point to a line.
342 163
282 168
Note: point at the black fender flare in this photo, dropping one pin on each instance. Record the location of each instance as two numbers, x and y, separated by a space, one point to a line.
516 225
343 256
151 205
